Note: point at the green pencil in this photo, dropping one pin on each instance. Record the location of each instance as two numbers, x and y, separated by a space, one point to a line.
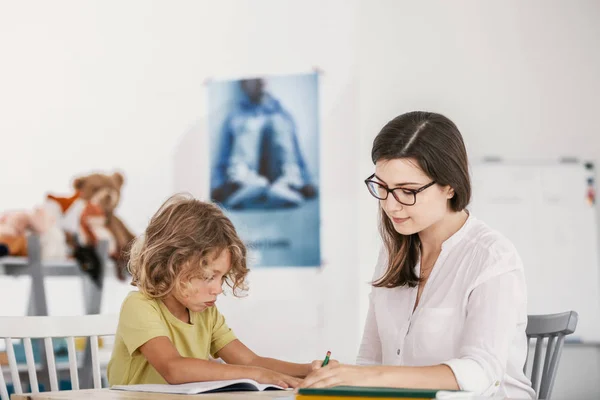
326 360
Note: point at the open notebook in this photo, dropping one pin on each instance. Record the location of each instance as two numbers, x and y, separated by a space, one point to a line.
201 387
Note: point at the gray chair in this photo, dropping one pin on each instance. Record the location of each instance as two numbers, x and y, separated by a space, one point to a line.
550 328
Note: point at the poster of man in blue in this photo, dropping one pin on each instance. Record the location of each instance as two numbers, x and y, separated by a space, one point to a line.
264 157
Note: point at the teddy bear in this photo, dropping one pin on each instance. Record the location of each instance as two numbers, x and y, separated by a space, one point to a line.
88 216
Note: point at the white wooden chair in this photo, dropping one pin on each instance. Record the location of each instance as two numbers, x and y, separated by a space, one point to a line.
46 328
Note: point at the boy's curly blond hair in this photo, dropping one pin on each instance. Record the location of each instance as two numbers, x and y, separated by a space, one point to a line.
182 237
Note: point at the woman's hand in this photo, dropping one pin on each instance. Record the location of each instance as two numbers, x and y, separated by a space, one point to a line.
270 377
315 365
336 374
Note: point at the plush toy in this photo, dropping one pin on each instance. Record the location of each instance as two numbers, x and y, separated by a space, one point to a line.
103 192
93 227
88 216
16 225
13 231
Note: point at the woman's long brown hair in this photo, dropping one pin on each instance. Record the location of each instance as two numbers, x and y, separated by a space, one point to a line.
435 143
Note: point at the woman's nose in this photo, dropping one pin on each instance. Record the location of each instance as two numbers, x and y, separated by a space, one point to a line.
391 204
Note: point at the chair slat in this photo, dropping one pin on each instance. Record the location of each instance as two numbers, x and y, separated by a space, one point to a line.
73 363
546 389
95 362
3 388
12 362
33 382
51 364
549 352
535 372
526 356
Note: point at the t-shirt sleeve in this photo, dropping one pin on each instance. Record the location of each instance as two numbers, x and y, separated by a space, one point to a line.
140 321
222 335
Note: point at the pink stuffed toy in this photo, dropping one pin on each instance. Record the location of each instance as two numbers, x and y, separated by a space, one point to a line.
16 225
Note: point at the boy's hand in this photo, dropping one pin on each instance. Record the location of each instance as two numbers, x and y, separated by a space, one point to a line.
315 365
270 377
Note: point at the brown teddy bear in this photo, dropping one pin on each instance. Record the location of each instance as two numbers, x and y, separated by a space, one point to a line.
88 216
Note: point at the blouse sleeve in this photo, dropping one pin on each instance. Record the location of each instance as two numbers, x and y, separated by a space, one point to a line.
496 304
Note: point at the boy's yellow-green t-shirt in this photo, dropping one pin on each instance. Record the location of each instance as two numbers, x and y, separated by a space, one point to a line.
143 318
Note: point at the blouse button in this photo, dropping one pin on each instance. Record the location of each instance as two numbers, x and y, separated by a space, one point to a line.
398 352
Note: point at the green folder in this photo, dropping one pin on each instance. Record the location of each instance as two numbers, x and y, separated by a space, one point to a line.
363 391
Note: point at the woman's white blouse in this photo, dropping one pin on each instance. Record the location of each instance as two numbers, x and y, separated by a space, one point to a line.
471 316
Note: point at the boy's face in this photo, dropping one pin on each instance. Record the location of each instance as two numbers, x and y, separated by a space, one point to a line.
202 292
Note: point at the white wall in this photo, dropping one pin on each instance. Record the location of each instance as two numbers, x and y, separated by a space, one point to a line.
87 85
102 85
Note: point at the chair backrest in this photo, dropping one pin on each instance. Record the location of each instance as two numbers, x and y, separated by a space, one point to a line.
552 329
47 328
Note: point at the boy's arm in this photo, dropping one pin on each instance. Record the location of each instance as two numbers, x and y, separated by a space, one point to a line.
175 369
238 354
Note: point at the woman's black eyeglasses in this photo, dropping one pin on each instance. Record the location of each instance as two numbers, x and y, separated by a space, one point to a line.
407 197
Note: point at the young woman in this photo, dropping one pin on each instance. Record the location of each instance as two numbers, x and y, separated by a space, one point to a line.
448 308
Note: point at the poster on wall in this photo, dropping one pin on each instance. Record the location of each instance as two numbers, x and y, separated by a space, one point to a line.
264 160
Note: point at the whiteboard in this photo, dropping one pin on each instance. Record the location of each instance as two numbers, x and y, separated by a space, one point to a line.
546 210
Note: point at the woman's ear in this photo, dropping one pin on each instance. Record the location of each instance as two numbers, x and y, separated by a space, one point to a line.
450 193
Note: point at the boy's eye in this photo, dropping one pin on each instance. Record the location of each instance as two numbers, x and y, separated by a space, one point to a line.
213 277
